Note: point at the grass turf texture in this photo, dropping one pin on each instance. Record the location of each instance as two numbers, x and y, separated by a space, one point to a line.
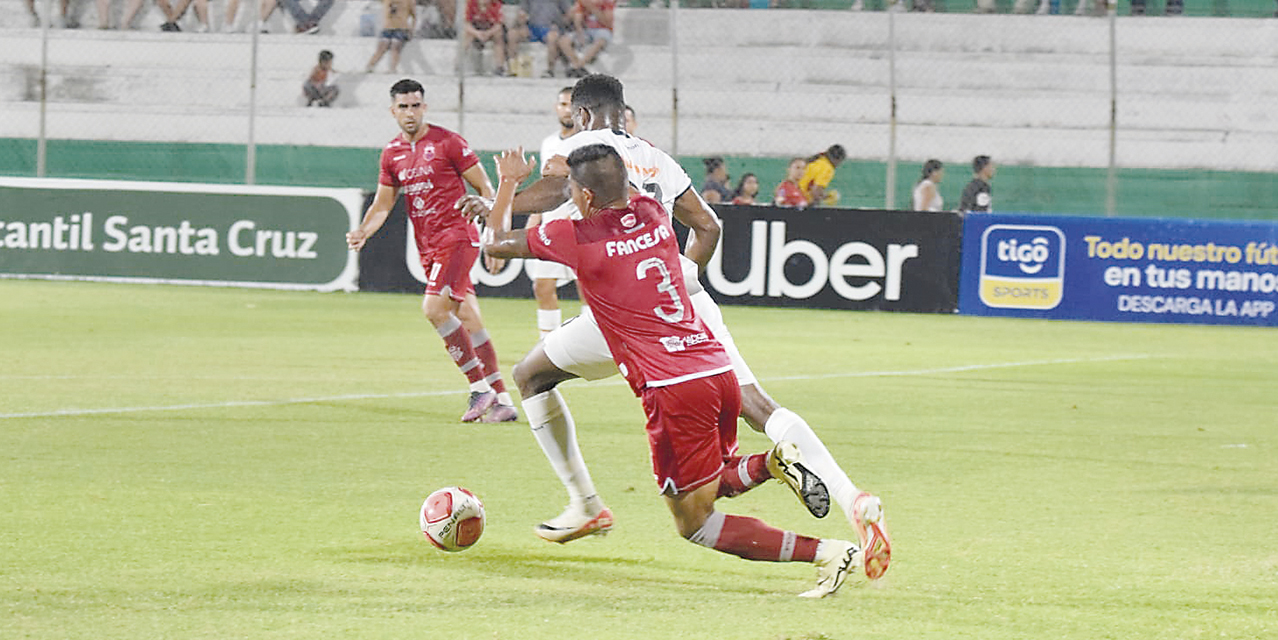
1042 479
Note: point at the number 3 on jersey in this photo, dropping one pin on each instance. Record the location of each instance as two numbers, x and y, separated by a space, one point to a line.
665 286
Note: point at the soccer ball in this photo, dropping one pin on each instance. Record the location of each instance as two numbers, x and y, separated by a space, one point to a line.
452 519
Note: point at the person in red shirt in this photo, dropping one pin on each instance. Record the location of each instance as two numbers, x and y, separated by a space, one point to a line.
627 261
788 193
431 166
484 23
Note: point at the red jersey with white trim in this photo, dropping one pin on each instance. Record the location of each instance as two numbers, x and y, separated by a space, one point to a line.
429 174
627 263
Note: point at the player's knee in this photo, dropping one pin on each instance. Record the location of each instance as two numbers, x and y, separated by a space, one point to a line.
529 383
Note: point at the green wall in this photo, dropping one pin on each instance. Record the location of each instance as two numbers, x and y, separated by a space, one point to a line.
1081 191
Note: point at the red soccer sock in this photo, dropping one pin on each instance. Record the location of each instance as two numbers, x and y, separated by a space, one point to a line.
754 539
459 346
742 474
488 356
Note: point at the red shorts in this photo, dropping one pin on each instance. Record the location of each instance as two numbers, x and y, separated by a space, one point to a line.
448 270
692 427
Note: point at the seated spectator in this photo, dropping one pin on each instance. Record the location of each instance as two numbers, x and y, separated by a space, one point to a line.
484 24
788 193
715 189
815 182
747 190
399 17
233 8
540 21
307 21
438 24
927 193
321 87
592 31
65 20
179 10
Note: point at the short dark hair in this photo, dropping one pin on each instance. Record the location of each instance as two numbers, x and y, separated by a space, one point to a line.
325 55
406 86
567 90
931 166
599 93
598 167
836 152
712 163
979 163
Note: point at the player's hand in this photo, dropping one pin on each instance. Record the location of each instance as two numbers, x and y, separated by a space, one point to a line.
474 207
513 166
493 265
355 239
556 167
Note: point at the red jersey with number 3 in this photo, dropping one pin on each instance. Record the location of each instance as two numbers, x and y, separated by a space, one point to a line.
429 174
627 263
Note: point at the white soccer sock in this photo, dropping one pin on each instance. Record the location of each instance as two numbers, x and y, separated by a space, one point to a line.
548 320
785 424
553 427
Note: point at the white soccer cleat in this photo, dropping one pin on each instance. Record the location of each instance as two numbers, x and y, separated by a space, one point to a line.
835 559
785 463
574 523
867 518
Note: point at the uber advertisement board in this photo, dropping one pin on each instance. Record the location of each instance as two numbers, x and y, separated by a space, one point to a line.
1124 270
277 237
815 258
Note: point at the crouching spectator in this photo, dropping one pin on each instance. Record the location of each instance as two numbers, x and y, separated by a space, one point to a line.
321 87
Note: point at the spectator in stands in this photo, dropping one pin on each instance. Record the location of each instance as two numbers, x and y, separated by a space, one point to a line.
977 195
321 87
307 21
592 22
927 192
233 9
399 17
788 193
66 20
715 189
444 28
179 10
540 21
484 24
817 175
747 190
632 121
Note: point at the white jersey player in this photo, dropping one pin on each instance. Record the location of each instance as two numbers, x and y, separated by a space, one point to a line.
577 349
548 276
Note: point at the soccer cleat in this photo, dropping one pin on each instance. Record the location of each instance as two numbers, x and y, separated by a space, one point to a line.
835 559
501 413
480 403
574 523
785 463
870 525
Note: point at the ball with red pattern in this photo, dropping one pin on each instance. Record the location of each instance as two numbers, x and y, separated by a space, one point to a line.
452 518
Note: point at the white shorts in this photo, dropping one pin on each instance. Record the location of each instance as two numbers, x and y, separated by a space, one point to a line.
579 348
547 270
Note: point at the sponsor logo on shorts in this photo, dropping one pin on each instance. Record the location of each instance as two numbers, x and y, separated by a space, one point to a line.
1022 266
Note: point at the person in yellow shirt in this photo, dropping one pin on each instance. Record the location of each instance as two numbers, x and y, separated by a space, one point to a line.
815 182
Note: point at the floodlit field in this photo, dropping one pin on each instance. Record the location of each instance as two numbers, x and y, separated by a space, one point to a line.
216 463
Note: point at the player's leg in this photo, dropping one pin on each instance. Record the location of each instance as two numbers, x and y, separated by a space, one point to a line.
549 317
576 349
690 426
447 285
473 322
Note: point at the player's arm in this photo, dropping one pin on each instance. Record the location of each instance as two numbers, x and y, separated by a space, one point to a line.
478 179
499 240
695 214
374 218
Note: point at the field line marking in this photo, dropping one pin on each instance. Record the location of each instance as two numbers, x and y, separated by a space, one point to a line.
423 394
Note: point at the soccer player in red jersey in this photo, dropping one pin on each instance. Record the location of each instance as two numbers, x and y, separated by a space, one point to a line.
627 261
431 166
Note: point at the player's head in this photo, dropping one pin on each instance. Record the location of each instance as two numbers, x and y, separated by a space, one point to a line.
933 170
983 166
563 107
598 101
597 178
632 121
408 105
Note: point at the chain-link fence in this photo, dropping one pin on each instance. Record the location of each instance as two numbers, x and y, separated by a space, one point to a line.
1137 109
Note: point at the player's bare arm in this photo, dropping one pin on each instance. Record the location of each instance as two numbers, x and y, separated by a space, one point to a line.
478 179
374 218
695 214
499 240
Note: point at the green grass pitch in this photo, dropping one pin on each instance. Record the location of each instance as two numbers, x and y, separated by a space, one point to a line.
183 462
